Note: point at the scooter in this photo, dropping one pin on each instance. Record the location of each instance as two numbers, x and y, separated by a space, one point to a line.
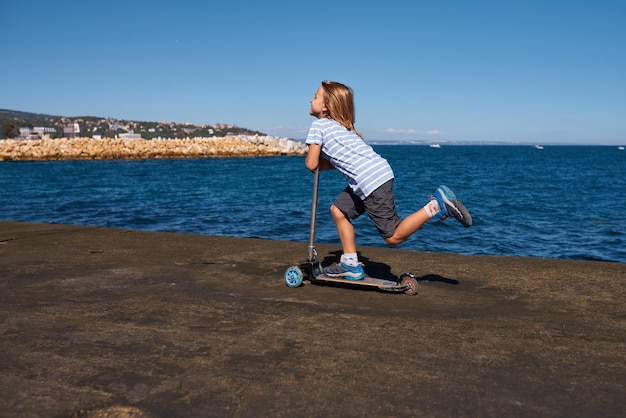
313 271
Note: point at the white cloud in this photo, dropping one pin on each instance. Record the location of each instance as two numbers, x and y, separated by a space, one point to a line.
400 131
432 132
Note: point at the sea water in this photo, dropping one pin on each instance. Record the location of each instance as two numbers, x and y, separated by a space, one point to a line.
564 202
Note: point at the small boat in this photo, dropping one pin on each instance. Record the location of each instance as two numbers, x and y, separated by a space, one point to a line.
435 146
539 146
620 148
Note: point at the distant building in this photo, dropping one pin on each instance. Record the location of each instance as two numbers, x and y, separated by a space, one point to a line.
44 132
36 133
222 126
25 133
129 135
115 126
72 131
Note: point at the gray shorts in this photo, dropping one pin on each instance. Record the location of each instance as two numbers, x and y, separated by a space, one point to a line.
379 205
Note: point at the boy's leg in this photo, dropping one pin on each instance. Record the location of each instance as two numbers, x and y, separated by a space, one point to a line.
349 267
345 229
408 226
442 205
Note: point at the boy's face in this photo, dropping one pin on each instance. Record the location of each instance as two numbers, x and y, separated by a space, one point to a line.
318 108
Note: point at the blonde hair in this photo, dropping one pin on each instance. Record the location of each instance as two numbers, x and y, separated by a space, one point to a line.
339 101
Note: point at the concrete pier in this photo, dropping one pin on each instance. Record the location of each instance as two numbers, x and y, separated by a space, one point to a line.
99 322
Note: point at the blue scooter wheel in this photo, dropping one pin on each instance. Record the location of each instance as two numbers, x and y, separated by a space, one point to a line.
293 276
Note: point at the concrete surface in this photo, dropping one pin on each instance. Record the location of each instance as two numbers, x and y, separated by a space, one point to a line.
99 322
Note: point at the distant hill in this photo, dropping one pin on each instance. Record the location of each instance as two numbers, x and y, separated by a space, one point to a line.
90 126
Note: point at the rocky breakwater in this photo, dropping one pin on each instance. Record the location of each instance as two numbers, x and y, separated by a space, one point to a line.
123 148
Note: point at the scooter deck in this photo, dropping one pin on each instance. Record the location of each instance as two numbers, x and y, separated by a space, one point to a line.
367 281
314 272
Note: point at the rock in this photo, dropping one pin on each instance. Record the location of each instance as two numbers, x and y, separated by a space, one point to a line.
122 148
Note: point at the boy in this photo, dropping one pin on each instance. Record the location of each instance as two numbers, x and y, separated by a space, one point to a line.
335 143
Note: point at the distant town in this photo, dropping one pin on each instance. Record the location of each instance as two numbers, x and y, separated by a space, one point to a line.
32 136
25 125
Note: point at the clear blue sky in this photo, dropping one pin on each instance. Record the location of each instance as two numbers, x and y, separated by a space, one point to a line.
532 71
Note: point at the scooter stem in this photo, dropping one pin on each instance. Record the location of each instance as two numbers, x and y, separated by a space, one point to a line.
316 181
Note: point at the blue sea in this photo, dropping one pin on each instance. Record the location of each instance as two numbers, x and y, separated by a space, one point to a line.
566 202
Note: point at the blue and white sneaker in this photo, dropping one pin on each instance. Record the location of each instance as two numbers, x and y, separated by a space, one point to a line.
450 206
345 271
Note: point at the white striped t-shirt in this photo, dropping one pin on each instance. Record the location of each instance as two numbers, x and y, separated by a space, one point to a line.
358 163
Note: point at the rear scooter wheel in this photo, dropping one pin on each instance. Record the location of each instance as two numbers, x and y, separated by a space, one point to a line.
293 276
410 283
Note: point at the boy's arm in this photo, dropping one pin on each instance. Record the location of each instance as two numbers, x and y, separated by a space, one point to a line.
314 159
